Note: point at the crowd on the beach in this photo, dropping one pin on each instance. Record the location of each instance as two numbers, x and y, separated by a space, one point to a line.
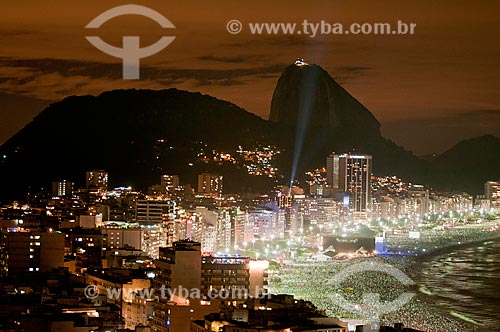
312 281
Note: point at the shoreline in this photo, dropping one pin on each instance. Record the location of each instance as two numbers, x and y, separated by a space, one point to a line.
421 267
453 243
431 254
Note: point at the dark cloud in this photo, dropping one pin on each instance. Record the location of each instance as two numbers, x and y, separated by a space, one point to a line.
265 41
347 73
65 67
211 74
228 82
165 75
16 32
228 59
97 70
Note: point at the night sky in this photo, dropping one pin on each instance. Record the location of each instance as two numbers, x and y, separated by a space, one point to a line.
429 90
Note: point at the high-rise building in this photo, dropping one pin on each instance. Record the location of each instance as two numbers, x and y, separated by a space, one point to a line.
125 281
210 183
178 267
154 236
230 227
118 237
137 311
355 173
62 188
332 170
159 212
154 211
183 267
419 199
318 211
34 251
225 274
264 223
492 192
205 228
97 181
4 255
169 182
351 173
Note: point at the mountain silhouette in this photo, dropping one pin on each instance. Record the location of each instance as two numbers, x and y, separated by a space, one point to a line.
468 165
308 91
138 135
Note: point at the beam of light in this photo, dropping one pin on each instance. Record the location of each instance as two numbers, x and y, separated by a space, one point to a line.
306 97
465 318
425 290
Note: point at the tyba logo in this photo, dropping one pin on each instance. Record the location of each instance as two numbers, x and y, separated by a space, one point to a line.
130 53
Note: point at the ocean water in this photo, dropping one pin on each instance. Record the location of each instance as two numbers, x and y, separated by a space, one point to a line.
464 283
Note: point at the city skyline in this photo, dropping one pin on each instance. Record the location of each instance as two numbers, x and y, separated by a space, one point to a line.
429 90
225 166
194 249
